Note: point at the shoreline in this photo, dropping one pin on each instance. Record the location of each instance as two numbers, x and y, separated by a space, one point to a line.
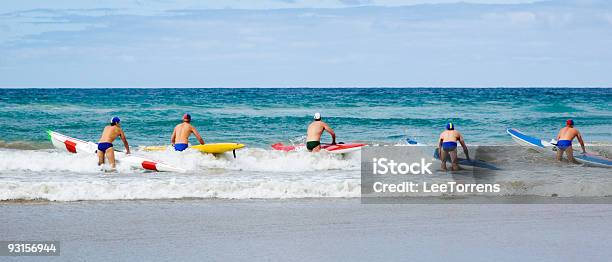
436 200
313 229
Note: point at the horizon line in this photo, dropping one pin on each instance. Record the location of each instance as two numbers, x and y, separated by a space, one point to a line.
302 87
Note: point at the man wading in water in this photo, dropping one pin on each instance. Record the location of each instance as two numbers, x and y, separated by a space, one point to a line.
448 146
564 141
105 144
315 130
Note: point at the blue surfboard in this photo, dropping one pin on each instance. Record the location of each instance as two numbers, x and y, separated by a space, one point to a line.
527 140
593 160
543 146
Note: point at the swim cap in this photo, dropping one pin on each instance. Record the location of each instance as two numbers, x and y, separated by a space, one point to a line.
317 116
115 120
569 122
187 116
450 126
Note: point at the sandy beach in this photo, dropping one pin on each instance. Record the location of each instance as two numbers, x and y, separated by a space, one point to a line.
310 130
310 230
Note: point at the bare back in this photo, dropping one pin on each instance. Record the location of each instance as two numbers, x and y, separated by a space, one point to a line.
568 133
182 132
450 136
110 133
315 130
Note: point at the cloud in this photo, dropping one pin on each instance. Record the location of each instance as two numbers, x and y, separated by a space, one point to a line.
608 17
152 7
423 45
522 17
356 2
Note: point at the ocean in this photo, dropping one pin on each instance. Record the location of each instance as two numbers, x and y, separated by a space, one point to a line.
30 169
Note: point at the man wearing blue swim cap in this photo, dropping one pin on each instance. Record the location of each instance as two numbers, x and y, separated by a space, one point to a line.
105 144
181 133
448 146
564 141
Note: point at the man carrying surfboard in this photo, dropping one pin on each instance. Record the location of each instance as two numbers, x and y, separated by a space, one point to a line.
181 133
315 130
564 141
448 146
105 144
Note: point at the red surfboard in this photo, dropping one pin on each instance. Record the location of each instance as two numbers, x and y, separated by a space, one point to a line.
336 149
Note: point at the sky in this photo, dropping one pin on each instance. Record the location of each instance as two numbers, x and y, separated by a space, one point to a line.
306 43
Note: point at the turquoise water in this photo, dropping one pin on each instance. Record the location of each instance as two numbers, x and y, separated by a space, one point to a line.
31 169
260 117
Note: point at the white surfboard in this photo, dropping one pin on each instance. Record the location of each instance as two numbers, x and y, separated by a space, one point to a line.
74 145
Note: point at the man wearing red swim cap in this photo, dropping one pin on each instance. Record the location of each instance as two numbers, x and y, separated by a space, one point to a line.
181 133
564 141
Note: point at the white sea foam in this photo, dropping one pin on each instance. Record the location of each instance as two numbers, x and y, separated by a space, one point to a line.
46 160
193 161
105 188
256 173
233 186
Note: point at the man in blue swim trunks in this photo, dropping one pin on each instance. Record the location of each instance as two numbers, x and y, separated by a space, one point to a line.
564 141
448 146
105 144
181 133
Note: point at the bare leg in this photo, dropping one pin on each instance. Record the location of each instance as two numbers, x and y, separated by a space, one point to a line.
570 155
316 149
453 155
110 154
443 159
100 157
559 154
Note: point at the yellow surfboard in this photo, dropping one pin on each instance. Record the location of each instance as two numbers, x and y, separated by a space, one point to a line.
155 148
213 148
217 148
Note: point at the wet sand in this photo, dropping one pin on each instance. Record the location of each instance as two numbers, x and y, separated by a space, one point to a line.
310 230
